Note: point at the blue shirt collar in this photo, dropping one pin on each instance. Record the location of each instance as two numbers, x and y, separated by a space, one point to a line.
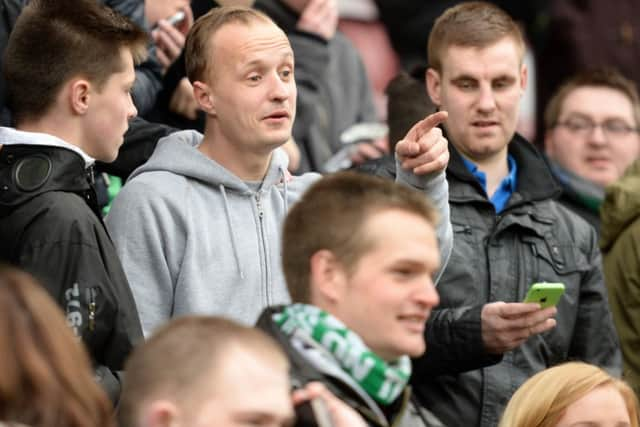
506 188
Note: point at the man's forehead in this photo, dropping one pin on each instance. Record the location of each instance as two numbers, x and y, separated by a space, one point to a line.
254 37
501 57
597 99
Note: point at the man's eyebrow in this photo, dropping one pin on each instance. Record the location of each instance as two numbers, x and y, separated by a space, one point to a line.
462 77
260 61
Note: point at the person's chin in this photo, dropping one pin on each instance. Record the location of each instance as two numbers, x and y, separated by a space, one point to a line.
412 347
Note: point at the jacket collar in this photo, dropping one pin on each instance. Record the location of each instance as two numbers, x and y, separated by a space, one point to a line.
535 180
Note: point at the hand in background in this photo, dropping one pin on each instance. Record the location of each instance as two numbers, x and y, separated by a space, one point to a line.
341 414
170 39
320 17
183 101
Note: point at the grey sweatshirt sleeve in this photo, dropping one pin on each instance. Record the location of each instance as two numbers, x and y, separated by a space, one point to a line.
436 188
149 239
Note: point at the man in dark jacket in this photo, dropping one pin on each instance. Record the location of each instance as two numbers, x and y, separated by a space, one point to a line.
509 233
360 255
70 108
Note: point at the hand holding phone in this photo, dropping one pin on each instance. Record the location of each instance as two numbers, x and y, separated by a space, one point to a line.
545 294
176 18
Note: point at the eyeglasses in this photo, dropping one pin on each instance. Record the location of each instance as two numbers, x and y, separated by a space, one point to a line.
611 128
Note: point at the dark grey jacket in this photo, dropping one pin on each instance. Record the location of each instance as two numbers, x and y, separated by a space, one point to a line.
497 258
334 92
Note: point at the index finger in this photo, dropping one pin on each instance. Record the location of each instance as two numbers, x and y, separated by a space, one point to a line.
426 124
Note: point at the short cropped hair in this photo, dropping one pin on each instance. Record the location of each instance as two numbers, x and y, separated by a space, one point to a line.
331 215
602 77
542 400
180 358
47 379
54 41
471 24
199 44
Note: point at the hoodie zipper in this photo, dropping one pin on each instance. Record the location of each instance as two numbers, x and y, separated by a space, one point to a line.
263 249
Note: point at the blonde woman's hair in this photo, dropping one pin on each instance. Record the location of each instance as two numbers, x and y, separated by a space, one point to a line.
543 399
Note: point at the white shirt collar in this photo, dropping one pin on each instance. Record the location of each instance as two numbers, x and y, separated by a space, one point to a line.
11 136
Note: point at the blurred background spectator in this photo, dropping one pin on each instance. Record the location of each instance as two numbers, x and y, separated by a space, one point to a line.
46 380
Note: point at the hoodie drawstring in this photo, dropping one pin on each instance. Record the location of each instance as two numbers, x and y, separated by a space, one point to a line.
234 244
285 180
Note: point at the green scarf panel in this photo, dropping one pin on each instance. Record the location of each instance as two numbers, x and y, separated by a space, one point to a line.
383 381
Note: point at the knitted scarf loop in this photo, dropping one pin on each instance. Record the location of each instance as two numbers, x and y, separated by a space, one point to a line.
383 381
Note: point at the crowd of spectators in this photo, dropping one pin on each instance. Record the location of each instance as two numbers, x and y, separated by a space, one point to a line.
314 213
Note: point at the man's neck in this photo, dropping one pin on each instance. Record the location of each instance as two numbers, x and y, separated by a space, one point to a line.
50 125
245 164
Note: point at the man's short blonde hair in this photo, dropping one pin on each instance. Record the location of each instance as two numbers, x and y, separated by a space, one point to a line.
180 358
199 44
471 24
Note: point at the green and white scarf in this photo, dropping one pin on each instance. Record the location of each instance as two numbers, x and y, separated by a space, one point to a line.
383 381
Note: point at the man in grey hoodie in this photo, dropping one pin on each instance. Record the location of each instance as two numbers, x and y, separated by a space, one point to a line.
198 226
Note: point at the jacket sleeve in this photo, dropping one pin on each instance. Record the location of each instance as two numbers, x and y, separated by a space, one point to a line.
81 272
622 274
454 343
594 339
139 224
139 142
312 60
436 188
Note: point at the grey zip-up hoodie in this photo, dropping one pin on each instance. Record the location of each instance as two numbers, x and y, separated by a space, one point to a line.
195 239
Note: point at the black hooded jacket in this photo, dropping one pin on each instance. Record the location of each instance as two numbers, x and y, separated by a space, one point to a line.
50 227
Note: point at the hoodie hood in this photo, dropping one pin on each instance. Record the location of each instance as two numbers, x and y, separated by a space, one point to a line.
621 206
175 153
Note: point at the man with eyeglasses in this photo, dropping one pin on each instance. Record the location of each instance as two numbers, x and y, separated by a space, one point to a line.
592 137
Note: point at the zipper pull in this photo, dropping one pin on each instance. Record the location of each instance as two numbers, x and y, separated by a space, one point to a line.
259 205
92 310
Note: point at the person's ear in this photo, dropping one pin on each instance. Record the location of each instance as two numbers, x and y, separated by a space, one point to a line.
433 83
204 98
160 413
327 277
524 77
79 96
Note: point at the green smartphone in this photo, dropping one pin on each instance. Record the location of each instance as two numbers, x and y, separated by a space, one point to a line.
545 294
